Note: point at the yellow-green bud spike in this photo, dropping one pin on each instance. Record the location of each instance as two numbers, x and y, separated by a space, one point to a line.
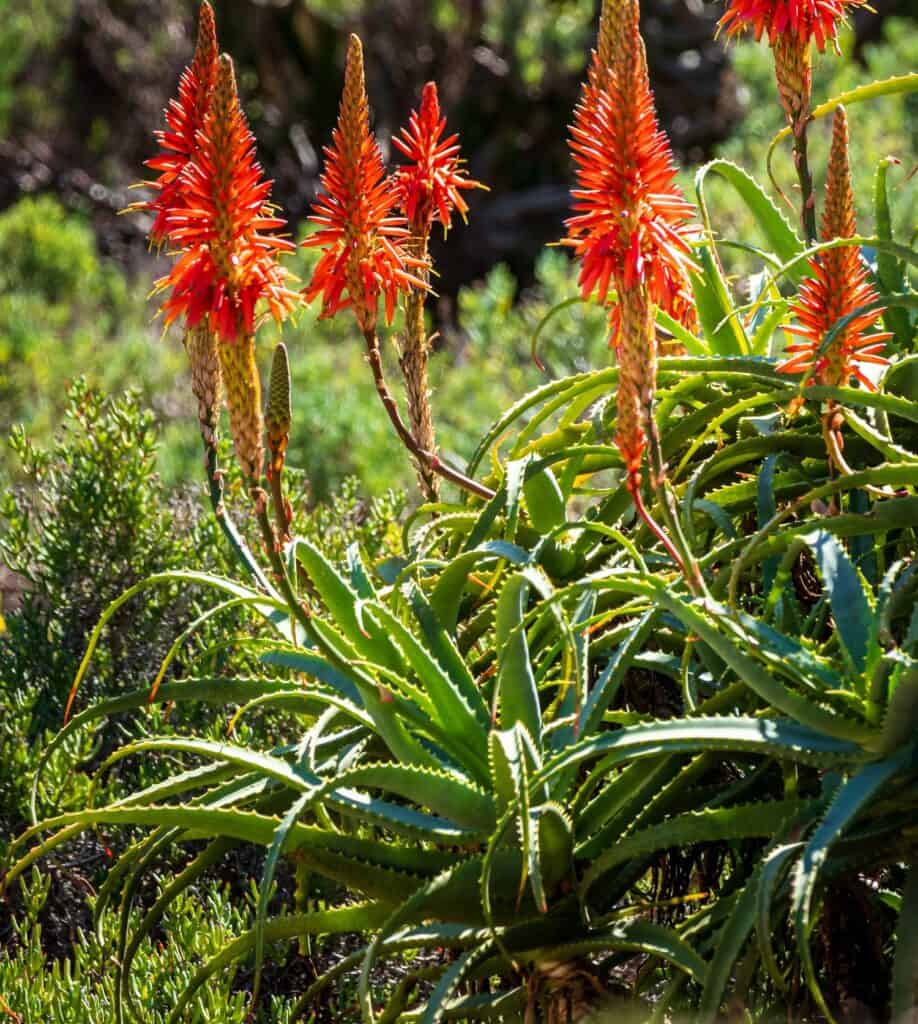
279 413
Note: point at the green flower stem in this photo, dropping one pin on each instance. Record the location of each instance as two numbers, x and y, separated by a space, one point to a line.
224 520
424 457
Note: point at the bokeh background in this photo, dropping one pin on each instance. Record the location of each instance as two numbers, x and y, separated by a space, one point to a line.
82 87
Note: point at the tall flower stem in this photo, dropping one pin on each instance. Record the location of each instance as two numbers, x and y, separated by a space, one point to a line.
805 178
685 559
793 72
413 361
423 456
224 520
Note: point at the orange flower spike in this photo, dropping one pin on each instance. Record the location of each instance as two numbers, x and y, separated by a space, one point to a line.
184 118
631 219
839 285
360 230
430 185
801 20
226 229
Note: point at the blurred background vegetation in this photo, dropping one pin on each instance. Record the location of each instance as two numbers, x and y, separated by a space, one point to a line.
82 87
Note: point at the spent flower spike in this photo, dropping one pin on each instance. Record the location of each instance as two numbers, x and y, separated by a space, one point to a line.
226 229
361 231
838 286
184 119
430 184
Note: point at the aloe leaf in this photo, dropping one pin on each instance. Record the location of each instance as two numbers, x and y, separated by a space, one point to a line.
779 235
436 1007
270 607
720 324
321 922
447 593
513 482
850 799
444 792
543 497
267 880
770 689
443 648
211 690
850 604
771 737
519 698
766 509
341 602
748 821
448 704
905 964
773 868
874 90
610 679
411 909
644 937
206 859
890 271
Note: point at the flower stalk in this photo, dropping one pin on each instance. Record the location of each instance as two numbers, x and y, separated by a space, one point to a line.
367 253
429 188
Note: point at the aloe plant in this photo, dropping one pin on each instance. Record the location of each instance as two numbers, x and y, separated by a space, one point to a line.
591 733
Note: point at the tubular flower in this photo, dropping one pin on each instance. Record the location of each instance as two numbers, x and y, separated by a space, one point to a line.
184 118
630 224
801 20
226 228
360 230
429 186
839 285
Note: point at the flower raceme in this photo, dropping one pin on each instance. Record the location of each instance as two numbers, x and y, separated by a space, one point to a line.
631 220
225 229
630 227
361 232
184 119
225 232
429 186
838 286
802 20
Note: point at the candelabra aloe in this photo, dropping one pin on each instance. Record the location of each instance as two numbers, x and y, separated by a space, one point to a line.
584 750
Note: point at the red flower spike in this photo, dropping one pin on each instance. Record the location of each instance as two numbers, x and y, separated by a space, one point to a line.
360 231
630 225
838 286
226 228
429 185
184 118
801 20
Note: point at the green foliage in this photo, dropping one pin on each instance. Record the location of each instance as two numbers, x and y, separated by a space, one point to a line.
90 519
81 990
23 29
65 313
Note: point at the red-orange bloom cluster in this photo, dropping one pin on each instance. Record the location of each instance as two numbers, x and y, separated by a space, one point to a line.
225 227
804 20
429 186
839 286
184 118
360 228
631 218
